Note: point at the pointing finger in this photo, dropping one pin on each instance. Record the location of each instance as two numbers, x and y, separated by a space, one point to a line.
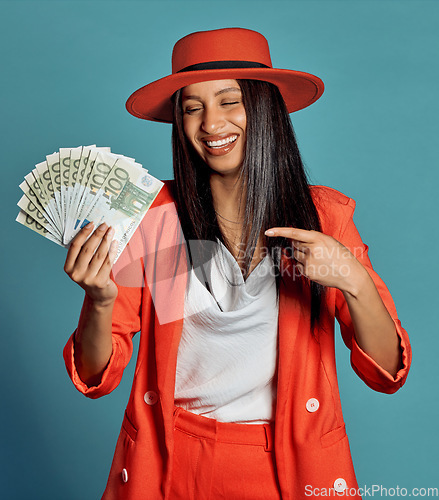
293 233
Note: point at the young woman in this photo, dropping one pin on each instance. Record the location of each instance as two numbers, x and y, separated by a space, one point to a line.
234 279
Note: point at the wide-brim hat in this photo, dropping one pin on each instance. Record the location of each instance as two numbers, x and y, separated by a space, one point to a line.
228 53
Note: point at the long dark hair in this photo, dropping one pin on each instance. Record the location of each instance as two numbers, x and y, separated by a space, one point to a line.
277 192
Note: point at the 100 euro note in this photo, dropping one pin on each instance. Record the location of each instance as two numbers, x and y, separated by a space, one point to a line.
28 221
86 164
53 185
98 165
124 198
30 204
92 184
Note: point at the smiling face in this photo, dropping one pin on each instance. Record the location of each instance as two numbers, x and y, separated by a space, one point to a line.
214 121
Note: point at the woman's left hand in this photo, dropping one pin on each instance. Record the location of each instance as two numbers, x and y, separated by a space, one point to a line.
322 258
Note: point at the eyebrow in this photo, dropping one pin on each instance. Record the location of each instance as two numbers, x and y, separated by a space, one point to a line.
222 91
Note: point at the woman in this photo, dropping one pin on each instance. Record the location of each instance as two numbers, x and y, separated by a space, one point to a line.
234 279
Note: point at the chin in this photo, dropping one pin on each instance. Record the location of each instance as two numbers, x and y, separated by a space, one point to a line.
223 166
225 170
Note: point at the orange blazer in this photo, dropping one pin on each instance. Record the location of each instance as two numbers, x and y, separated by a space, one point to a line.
311 446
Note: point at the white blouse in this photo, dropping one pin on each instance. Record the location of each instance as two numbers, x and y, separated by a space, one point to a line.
228 350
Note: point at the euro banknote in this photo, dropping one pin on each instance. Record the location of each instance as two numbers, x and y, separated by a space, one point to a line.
75 186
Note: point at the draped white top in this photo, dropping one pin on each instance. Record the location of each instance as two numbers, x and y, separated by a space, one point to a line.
227 355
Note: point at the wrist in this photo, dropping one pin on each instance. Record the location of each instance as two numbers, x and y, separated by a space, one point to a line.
103 305
356 281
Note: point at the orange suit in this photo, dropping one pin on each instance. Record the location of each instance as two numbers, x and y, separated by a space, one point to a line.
310 442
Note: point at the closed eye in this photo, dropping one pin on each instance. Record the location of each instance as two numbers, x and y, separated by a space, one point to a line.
189 111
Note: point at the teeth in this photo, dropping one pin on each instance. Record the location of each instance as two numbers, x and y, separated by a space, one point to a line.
222 142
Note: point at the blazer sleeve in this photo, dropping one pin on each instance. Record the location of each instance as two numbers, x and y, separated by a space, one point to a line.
132 272
125 323
364 366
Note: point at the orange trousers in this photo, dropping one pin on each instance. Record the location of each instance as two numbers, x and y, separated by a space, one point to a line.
215 460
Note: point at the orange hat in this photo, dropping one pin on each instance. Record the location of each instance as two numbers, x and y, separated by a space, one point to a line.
229 53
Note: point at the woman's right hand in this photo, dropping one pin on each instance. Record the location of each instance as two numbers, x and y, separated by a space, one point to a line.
88 263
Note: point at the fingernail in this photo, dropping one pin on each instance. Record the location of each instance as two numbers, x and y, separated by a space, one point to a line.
269 232
90 224
110 233
103 226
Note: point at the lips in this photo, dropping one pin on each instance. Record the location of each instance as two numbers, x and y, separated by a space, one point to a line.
219 145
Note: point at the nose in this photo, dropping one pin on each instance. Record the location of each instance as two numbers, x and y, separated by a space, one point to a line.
213 119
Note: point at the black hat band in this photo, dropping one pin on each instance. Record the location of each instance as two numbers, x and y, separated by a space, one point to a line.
223 65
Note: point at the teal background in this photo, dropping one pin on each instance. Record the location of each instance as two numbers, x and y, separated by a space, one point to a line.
66 70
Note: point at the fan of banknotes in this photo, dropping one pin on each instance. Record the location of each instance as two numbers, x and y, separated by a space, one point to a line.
77 185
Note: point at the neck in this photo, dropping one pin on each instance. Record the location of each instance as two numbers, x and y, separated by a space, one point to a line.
228 197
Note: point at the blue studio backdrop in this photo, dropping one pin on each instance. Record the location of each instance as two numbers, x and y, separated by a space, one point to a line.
67 68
